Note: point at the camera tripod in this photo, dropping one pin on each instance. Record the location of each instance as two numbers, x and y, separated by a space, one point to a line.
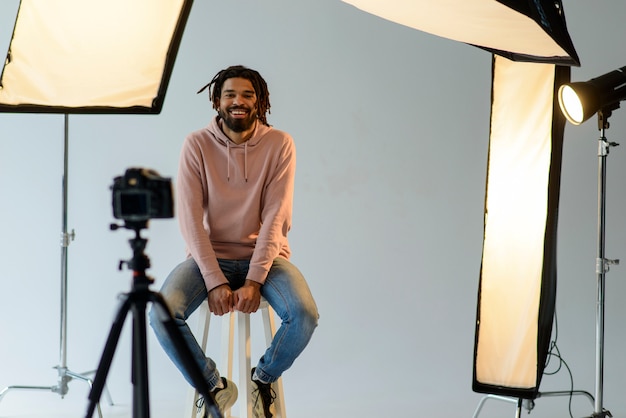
136 301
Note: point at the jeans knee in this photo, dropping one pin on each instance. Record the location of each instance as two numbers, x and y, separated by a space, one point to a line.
307 319
158 315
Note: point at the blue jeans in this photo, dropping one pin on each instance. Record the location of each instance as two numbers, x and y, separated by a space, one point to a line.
285 289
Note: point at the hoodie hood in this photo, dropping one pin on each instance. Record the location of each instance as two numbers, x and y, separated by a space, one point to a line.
259 132
220 138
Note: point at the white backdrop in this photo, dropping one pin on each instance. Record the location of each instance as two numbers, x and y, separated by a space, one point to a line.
391 127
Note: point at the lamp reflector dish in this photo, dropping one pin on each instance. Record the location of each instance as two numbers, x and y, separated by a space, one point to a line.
571 104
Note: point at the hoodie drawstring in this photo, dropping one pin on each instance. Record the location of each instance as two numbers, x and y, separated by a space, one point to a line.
227 161
245 161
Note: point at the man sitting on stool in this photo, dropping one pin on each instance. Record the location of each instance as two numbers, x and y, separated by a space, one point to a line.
234 202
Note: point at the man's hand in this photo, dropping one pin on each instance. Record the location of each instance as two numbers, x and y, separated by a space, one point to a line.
248 297
221 300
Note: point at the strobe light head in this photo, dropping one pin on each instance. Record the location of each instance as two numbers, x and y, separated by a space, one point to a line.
581 100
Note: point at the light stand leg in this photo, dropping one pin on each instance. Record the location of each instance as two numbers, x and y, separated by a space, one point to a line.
64 374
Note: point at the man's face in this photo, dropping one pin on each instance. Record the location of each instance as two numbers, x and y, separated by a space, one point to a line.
237 104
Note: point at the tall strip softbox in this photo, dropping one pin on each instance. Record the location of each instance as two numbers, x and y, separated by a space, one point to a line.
518 274
517 287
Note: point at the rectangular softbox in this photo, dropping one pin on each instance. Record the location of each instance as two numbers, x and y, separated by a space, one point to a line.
517 286
521 30
88 56
78 56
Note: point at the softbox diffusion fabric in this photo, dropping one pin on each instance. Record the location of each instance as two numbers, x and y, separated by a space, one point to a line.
77 56
517 288
521 30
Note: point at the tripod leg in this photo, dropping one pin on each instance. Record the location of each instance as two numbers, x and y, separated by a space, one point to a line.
141 399
107 356
190 366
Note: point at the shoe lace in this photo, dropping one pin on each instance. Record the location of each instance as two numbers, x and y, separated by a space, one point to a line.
267 395
200 404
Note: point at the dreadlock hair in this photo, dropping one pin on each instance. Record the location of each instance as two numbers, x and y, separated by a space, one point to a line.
239 71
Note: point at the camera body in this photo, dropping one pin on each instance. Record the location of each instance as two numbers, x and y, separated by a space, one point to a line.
142 194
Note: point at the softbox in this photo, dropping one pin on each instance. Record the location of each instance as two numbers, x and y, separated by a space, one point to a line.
519 30
517 288
89 56
77 56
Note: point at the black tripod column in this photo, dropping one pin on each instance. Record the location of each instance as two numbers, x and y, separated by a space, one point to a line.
140 296
139 378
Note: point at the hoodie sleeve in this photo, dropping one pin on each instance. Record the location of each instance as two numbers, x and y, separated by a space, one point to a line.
191 198
276 212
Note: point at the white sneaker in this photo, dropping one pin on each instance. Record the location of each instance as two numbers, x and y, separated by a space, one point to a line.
224 398
263 396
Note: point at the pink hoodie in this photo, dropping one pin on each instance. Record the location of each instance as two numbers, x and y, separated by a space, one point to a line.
235 201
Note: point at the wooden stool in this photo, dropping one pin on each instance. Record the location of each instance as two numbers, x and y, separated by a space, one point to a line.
244 385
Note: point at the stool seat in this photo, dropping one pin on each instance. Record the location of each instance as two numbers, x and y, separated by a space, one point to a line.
225 366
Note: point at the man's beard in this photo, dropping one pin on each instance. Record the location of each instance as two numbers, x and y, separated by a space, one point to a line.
238 125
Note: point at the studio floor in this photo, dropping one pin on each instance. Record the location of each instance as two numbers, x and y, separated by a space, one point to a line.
43 404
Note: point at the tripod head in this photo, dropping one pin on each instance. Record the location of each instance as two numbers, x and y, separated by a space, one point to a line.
140 261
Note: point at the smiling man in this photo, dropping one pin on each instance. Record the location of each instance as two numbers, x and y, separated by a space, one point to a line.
234 202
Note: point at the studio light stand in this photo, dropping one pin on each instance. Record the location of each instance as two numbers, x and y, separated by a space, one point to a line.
579 101
60 60
65 375
136 302
602 263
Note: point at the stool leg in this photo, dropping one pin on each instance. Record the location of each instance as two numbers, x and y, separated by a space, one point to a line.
204 320
227 349
245 384
227 345
269 327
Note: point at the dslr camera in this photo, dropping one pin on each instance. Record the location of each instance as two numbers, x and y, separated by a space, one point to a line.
142 194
